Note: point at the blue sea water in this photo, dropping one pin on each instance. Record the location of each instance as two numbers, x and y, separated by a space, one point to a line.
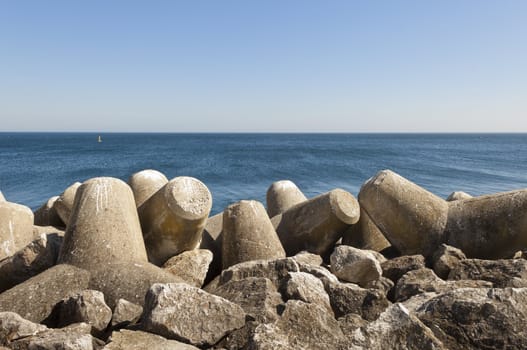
36 166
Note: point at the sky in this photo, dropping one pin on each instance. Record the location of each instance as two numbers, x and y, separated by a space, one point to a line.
263 66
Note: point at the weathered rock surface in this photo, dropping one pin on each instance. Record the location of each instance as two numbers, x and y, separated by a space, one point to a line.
301 326
425 280
445 259
397 267
16 228
257 296
47 215
145 183
501 273
138 340
14 327
64 204
125 313
478 318
191 266
348 298
34 258
395 328
410 217
173 218
248 234
35 298
355 265
307 288
87 306
458 195
365 235
316 224
282 195
180 311
308 258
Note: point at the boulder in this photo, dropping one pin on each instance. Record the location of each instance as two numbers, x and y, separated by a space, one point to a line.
425 280
103 226
323 274
257 296
478 318
16 228
445 259
410 217
501 273
365 234
458 195
47 215
348 298
395 328
397 267
31 260
145 183
87 306
308 258
301 326
282 195
355 265
191 266
125 313
173 218
248 234
64 204
14 327
307 288
351 322
180 311
35 298
489 227
138 340
383 284
318 223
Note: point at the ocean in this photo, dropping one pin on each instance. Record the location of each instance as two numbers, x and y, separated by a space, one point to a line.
36 166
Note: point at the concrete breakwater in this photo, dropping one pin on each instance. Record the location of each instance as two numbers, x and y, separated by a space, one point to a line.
115 265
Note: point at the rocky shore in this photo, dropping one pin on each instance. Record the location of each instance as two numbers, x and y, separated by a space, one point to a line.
142 265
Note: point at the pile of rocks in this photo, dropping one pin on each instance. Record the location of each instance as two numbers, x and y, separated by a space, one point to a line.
111 265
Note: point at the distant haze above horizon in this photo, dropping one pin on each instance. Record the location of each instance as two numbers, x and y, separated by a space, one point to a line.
263 66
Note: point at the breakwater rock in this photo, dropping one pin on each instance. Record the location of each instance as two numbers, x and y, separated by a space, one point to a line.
143 265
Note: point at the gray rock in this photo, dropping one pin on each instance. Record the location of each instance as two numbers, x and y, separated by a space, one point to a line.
365 234
238 339
397 267
145 183
318 223
256 295
445 259
46 215
349 323
248 234
44 291
478 318
191 266
138 340
87 306
347 298
281 196
355 265
307 288
308 258
425 280
16 228
319 272
64 204
14 327
34 258
180 311
458 195
301 326
501 273
383 284
395 328
125 313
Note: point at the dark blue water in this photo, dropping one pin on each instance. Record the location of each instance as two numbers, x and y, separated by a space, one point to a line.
36 166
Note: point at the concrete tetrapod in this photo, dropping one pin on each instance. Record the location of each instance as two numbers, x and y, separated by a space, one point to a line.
16 228
316 224
248 234
174 217
365 235
145 183
47 215
489 227
410 217
281 196
64 203
103 227
2 198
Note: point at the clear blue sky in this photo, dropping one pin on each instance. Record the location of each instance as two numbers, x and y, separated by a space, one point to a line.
344 66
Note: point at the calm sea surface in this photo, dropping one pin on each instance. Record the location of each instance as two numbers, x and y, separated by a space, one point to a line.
36 166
